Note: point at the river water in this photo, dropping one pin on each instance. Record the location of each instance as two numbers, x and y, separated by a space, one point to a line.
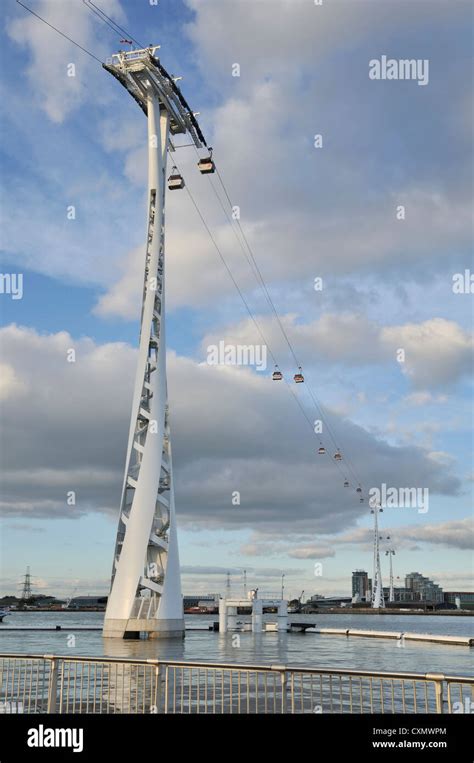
310 649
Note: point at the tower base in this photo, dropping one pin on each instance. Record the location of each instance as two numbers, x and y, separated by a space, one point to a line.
132 628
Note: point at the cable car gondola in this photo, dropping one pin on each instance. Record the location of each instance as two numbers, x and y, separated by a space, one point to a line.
299 378
337 456
359 489
346 483
206 165
321 451
277 374
175 180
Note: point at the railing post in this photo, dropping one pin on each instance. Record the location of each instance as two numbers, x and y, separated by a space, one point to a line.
158 688
439 696
52 686
283 676
156 702
281 669
438 680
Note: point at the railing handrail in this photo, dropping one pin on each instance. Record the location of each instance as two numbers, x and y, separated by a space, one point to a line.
243 666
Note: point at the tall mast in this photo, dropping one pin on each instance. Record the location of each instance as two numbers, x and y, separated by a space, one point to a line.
145 594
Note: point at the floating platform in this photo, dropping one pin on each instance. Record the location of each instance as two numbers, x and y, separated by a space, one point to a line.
69 628
292 627
50 628
399 636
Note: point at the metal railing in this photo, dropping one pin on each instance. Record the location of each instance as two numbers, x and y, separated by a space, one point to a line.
64 684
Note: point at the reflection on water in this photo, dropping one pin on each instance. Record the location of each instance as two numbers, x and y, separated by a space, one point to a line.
263 648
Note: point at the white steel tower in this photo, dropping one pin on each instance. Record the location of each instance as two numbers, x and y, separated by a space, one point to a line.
145 594
378 601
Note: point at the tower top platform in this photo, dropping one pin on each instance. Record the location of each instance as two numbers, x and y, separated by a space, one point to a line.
140 72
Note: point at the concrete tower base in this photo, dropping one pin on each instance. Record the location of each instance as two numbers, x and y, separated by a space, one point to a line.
132 628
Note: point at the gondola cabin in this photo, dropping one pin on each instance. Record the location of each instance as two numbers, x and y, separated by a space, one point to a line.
175 182
206 166
299 378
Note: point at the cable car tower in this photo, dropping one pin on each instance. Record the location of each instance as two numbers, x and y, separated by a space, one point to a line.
145 594
378 601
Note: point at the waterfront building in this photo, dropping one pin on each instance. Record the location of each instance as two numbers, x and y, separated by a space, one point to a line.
210 600
88 602
423 588
465 599
360 585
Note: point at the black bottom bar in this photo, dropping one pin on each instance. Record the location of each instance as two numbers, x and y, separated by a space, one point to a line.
107 737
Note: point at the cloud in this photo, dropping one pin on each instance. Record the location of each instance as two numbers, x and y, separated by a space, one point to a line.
424 397
123 297
52 431
342 217
53 90
9 382
311 552
196 569
455 533
294 32
269 546
69 434
438 352
452 534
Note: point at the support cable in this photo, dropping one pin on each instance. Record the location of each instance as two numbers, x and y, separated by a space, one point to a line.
258 274
253 318
110 22
33 13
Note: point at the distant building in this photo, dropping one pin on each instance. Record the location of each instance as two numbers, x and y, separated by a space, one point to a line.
210 600
88 602
465 598
360 585
423 589
317 601
418 592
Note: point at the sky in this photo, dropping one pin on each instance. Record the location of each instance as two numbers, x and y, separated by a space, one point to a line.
359 234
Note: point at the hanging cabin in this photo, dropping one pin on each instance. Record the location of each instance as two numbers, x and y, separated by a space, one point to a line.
206 166
298 377
175 181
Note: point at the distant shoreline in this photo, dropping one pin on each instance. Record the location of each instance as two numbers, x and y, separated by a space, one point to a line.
438 612
322 611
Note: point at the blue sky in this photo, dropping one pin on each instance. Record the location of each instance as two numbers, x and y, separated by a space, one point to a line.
307 213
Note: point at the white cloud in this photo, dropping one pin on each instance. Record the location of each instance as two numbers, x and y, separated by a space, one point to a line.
71 435
10 384
441 457
454 533
123 297
311 552
423 397
438 352
53 90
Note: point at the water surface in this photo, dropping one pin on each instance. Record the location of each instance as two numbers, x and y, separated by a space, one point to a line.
310 649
